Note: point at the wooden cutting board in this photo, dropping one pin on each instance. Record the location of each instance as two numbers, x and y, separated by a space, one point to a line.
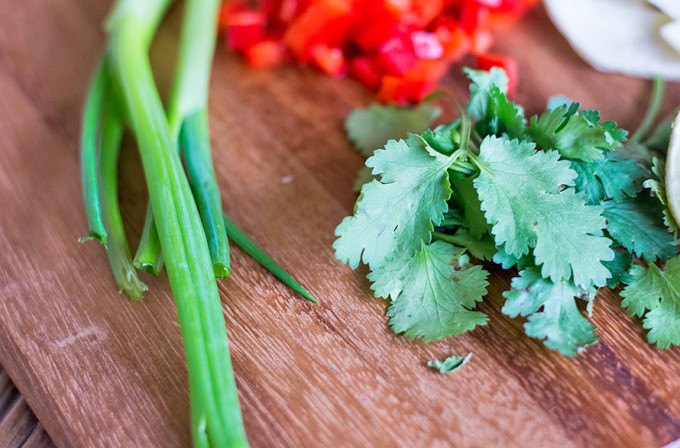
101 370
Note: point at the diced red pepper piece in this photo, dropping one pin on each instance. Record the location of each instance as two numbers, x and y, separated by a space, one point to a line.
490 3
427 10
325 21
516 7
487 61
228 9
431 71
481 41
426 45
401 47
265 54
398 7
473 16
394 89
367 71
288 10
329 60
244 29
455 41
396 56
269 7
374 26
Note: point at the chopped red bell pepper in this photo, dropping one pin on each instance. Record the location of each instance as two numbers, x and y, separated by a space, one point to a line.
401 47
399 90
396 56
473 16
455 42
244 28
329 60
481 41
426 45
427 10
325 21
265 54
367 71
487 61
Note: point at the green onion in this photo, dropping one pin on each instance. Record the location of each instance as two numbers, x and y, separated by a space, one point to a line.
196 151
185 227
148 257
244 242
187 115
89 142
216 417
117 248
102 134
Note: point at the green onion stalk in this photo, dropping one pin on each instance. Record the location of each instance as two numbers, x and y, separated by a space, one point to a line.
188 120
186 228
216 415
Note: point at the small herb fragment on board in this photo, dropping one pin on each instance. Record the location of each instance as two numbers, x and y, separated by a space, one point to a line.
450 364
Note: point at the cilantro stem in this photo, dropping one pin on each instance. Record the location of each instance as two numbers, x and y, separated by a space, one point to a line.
655 100
117 249
453 239
89 142
216 417
251 248
475 140
465 130
461 167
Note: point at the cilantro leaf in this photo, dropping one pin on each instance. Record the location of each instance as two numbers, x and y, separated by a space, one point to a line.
557 101
453 217
370 128
450 364
433 292
508 261
520 196
655 294
658 186
618 267
465 196
559 323
611 178
482 84
637 225
482 248
400 208
572 134
444 138
612 133
503 116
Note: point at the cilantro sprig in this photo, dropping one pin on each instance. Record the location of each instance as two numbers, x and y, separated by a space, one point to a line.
559 197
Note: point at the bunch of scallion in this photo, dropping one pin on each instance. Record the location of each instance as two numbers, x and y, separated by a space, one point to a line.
185 228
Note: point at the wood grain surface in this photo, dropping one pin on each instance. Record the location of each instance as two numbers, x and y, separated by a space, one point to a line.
103 371
18 426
